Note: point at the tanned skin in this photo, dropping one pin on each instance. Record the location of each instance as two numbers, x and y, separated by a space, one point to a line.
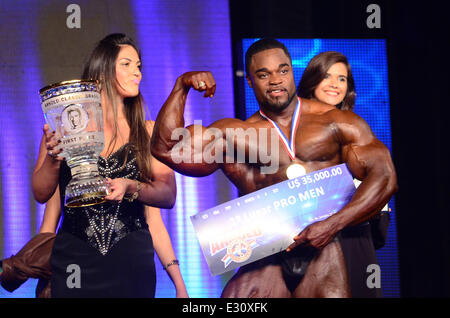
325 137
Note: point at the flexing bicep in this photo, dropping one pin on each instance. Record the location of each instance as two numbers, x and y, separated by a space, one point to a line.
179 150
196 150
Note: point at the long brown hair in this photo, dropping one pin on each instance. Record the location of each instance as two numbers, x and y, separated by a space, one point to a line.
101 66
316 71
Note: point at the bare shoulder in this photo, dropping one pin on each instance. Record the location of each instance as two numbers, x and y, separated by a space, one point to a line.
256 117
316 107
254 121
228 123
350 127
332 114
347 117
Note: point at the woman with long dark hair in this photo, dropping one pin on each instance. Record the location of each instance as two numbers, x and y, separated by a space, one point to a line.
109 246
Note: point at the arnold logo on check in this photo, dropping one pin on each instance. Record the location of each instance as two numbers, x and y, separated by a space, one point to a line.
238 245
239 251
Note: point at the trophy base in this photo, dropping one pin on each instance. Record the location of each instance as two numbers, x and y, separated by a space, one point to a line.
86 192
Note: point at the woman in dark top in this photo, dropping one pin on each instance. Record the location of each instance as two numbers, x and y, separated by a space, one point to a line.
109 245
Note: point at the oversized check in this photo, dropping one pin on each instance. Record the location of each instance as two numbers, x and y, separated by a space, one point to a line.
265 222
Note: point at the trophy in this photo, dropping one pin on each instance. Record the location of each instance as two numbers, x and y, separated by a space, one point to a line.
73 110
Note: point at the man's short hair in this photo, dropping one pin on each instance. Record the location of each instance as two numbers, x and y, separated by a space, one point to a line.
262 45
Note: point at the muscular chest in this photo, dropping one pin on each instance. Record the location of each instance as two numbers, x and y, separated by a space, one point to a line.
316 140
316 146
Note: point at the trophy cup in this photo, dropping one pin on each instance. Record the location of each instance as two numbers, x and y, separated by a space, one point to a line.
73 110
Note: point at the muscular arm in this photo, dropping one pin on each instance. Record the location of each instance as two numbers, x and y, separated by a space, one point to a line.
368 160
183 154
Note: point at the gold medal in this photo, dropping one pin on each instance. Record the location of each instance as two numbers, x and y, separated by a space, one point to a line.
295 170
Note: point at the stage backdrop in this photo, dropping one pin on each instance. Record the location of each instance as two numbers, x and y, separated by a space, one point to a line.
39 47
368 59
45 42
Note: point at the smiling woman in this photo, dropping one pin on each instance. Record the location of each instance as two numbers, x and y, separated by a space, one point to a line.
112 244
328 78
333 87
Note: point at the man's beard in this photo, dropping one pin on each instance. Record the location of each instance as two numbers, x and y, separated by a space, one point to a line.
277 107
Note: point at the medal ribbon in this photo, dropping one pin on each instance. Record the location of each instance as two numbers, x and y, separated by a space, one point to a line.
290 146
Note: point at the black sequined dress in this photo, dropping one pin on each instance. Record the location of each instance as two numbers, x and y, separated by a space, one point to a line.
104 250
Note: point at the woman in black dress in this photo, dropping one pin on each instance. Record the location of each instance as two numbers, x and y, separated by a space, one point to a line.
328 78
109 246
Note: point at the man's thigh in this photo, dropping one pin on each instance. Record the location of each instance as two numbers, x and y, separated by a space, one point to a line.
261 279
326 275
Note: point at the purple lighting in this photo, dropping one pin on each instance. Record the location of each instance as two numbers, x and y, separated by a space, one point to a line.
175 37
21 124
